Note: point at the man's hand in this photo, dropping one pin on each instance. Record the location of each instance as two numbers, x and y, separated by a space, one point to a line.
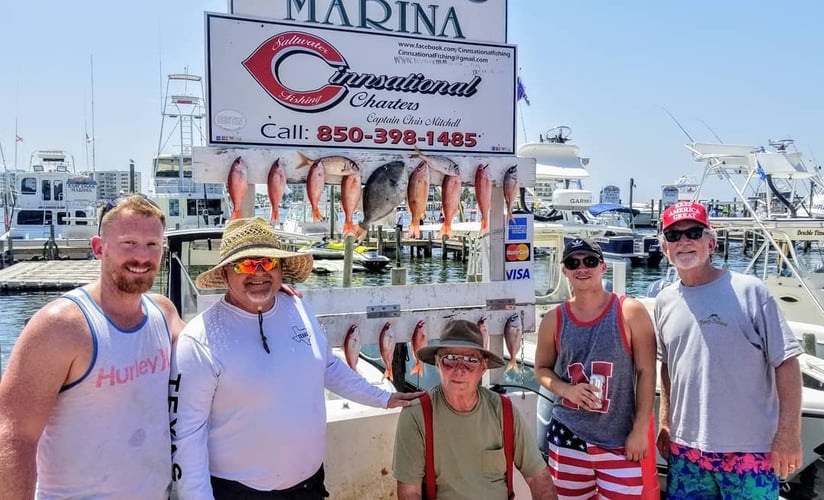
785 452
637 444
663 441
584 395
403 399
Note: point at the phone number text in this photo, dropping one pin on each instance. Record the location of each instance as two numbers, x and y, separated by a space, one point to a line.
397 136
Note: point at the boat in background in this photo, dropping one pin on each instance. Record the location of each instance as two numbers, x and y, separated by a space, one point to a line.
366 256
187 204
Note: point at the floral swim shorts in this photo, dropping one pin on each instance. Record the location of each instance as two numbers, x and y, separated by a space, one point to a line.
696 474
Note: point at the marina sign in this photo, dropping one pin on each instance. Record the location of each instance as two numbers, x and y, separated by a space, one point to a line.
480 20
276 84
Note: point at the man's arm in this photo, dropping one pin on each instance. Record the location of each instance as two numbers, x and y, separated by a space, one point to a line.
408 491
541 486
173 319
786 446
663 441
642 339
47 355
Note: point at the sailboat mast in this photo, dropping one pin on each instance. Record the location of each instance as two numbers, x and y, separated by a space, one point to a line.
94 166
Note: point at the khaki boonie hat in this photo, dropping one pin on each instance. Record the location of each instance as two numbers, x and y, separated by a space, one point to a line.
254 237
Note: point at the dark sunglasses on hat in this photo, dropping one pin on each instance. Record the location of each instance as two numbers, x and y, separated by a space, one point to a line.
693 233
590 262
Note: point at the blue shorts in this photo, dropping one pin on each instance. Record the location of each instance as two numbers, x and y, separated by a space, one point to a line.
696 474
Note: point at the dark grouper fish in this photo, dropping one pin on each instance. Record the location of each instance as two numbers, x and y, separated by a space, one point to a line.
385 190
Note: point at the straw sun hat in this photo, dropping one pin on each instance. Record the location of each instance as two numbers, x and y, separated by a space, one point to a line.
254 237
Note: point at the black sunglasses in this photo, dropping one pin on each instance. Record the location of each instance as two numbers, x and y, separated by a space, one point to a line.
693 233
590 262
117 201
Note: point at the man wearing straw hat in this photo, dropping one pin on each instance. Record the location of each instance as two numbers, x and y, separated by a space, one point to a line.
463 439
248 378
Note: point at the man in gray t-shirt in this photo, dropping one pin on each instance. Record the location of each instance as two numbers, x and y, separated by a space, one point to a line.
730 413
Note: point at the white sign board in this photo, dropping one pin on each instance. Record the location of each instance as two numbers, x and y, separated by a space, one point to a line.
611 194
669 195
480 20
274 84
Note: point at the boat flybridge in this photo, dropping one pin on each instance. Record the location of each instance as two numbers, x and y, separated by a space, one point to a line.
187 204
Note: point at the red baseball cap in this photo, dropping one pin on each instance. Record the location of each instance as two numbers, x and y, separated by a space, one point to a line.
684 210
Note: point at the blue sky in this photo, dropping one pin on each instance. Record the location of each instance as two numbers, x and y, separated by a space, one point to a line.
751 70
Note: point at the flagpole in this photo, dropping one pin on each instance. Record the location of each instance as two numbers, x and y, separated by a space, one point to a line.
523 123
94 165
16 140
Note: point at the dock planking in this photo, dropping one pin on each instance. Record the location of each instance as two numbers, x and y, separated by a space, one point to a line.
48 275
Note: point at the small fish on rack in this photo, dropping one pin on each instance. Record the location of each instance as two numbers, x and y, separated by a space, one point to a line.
510 189
442 164
275 187
351 347
237 183
418 341
332 165
315 180
450 201
484 331
483 193
350 196
386 341
513 336
417 194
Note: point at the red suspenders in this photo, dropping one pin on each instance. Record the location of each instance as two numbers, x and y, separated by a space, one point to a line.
429 454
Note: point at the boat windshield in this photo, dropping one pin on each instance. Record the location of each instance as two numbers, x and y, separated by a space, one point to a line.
170 167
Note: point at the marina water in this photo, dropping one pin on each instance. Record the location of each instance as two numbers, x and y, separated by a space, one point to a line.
17 308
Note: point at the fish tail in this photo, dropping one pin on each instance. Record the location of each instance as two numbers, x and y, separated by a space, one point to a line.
417 369
484 224
446 229
349 227
513 365
305 161
417 154
360 233
388 373
236 214
275 214
316 215
414 229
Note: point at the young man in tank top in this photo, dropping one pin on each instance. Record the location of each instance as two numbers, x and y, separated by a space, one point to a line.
83 403
730 410
596 352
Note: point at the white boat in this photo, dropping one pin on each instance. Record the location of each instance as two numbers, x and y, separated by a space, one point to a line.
366 256
559 197
187 204
53 210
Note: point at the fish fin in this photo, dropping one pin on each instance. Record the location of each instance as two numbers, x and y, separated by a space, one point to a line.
360 233
417 369
275 214
305 161
414 229
417 154
236 214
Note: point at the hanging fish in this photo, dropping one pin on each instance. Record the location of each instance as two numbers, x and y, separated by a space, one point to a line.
510 189
442 164
384 191
386 341
350 196
418 341
483 192
332 165
417 194
450 201
237 182
513 334
275 187
484 331
315 180
351 347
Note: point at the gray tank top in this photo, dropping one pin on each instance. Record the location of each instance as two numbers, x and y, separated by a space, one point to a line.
597 347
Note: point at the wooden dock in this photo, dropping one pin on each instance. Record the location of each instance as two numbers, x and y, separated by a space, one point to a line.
48 275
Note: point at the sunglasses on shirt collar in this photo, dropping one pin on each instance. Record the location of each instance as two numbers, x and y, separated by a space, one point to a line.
693 233
590 262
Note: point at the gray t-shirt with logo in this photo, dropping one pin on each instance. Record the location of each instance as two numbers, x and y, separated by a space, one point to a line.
722 342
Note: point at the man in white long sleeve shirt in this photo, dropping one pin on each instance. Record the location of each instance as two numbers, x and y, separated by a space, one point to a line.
248 378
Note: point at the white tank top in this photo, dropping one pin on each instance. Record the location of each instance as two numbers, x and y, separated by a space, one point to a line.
108 436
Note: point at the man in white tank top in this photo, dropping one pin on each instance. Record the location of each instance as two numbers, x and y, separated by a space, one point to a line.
83 403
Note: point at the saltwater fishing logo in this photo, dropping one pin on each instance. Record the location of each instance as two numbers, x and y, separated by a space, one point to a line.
264 64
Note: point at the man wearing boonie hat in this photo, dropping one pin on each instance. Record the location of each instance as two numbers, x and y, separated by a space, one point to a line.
467 455
596 352
248 379
730 410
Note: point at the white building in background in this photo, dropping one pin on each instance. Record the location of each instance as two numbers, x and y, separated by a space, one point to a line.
111 183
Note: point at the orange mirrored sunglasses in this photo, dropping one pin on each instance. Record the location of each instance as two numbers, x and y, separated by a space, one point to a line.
249 266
